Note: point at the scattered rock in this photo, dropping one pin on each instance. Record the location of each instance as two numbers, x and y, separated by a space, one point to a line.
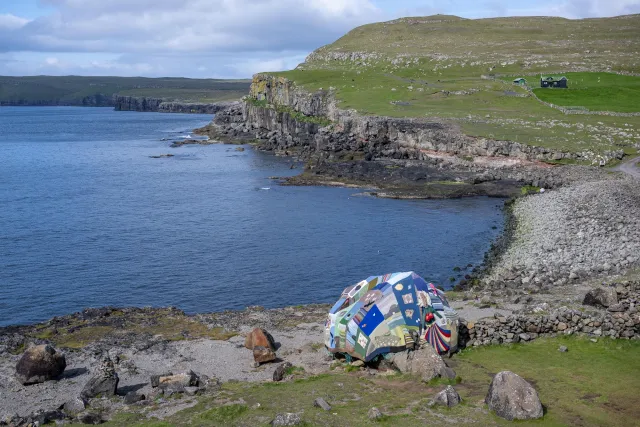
191 391
374 414
155 379
513 398
563 349
280 371
287 419
90 418
133 397
263 355
104 383
39 364
240 149
448 397
321 403
259 338
604 297
75 406
177 383
357 363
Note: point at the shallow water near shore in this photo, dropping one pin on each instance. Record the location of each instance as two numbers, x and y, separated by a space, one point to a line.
88 218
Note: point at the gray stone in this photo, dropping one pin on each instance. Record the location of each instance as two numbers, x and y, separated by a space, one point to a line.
424 362
155 379
90 418
39 364
321 403
191 390
74 406
374 414
513 398
563 349
448 397
104 382
133 397
604 297
286 419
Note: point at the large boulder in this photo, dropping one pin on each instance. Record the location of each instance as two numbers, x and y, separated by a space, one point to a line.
513 398
263 355
178 383
601 297
259 338
103 383
424 362
39 364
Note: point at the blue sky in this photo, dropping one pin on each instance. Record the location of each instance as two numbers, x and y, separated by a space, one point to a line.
217 38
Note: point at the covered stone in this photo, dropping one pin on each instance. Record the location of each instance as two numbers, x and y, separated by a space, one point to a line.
39 364
389 314
513 398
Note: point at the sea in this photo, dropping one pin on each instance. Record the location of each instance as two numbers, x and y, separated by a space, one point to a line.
88 218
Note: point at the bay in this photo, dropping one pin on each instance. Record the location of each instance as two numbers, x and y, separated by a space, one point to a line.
88 218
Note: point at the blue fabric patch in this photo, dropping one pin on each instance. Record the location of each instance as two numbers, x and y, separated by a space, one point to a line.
337 306
371 321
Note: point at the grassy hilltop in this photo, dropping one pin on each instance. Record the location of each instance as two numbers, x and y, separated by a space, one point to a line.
76 90
460 70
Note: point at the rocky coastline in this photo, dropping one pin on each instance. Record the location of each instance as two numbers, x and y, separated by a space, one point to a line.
161 105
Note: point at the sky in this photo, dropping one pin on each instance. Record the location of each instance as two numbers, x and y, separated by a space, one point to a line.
217 38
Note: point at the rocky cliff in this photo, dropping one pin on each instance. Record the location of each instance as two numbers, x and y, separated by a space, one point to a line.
133 103
285 116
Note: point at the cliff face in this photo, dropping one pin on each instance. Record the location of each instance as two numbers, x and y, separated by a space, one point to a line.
132 103
286 116
96 100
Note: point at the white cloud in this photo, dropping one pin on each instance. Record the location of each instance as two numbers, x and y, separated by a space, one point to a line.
11 22
223 38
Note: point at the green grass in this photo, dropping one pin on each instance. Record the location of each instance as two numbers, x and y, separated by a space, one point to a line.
596 92
591 384
445 68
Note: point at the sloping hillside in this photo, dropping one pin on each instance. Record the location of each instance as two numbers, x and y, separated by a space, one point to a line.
460 70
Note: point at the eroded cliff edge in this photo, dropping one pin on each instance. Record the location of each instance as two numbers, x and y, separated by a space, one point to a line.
404 157
161 105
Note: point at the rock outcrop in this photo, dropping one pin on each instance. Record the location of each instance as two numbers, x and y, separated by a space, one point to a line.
284 116
513 398
39 364
135 103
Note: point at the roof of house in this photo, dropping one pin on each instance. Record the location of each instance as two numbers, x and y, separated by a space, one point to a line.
553 78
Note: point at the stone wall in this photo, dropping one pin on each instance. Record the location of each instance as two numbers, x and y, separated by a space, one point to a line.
619 320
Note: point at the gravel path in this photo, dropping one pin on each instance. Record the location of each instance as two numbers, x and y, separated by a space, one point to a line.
579 231
630 167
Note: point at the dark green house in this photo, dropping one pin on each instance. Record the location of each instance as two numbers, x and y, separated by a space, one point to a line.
553 81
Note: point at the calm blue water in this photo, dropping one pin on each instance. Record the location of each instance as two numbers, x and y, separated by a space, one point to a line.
88 219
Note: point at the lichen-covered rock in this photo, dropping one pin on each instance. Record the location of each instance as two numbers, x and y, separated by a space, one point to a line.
448 397
287 419
424 362
280 371
103 383
513 398
39 364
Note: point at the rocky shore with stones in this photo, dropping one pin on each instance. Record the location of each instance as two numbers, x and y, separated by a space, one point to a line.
90 366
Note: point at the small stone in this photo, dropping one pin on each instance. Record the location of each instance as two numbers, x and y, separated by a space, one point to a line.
357 363
90 418
280 371
563 349
74 406
374 414
524 337
155 379
287 419
191 391
321 403
104 382
593 340
133 397
562 326
448 397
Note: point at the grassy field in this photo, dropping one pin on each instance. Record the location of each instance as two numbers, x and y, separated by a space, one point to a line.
453 69
73 90
591 384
